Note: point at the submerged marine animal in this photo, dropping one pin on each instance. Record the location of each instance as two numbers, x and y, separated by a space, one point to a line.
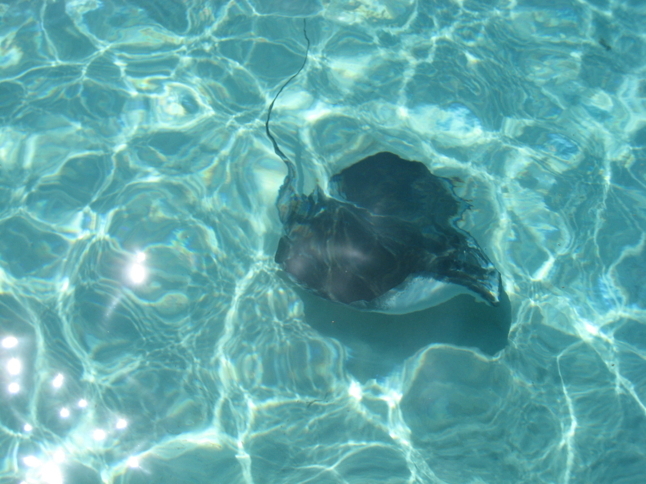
384 239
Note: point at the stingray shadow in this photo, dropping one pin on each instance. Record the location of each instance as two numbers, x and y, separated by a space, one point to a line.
378 343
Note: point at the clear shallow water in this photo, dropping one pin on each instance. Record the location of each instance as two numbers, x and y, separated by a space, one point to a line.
146 333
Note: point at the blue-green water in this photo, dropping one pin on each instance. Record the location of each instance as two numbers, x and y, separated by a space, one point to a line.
147 335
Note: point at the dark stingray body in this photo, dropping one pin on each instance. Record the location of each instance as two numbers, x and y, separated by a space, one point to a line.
387 220
347 254
385 238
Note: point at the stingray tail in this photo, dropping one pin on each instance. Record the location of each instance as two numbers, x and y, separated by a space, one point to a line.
287 193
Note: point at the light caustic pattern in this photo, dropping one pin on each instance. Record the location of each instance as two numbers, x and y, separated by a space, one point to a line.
145 333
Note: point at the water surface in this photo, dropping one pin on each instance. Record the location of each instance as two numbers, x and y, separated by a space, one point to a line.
146 333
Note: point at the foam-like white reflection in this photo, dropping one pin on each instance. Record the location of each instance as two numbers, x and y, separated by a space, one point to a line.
133 461
98 434
355 390
9 342
64 413
122 423
242 453
13 388
58 380
392 398
82 403
14 366
593 330
27 428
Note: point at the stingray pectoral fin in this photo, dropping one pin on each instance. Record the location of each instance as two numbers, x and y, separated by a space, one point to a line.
470 267
417 293
488 287
282 252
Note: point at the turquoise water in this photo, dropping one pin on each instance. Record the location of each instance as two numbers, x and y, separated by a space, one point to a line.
146 335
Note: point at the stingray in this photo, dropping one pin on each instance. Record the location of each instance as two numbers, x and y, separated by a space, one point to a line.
384 238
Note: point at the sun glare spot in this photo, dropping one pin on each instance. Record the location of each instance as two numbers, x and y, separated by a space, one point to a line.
14 367
137 273
51 474
59 456
9 342
31 461
58 380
